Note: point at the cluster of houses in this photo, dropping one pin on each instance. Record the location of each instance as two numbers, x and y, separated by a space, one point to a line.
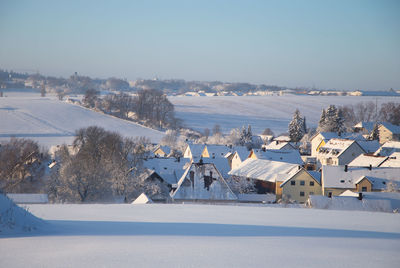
337 164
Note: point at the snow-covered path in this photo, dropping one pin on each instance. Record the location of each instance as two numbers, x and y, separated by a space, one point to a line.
204 236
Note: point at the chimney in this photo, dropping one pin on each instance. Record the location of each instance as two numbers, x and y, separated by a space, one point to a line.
345 168
276 142
360 196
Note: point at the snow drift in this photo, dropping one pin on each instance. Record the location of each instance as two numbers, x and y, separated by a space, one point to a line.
14 219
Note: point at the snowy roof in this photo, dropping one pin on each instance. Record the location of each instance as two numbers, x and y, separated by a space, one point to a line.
260 169
282 138
278 146
196 149
335 147
392 161
221 164
165 149
369 126
393 128
241 151
314 174
369 146
337 177
169 169
288 156
349 193
29 198
333 135
142 199
388 148
365 160
217 150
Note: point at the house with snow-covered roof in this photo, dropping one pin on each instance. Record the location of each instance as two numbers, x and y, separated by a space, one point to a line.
388 132
214 150
194 151
275 145
264 173
202 182
162 151
300 185
321 138
337 179
289 156
339 152
237 156
369 146
388 148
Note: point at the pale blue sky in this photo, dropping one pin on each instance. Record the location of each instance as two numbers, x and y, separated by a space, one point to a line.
330 44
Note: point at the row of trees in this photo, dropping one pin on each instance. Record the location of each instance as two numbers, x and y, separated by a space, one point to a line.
150 107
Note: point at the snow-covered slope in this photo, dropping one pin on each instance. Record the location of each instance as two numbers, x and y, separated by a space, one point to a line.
274 112
52 122
14 219
171 235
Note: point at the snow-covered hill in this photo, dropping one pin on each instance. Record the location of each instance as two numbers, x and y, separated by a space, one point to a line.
52 122
171 235
274 112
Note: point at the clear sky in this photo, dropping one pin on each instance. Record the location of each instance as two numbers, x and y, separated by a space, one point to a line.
351 44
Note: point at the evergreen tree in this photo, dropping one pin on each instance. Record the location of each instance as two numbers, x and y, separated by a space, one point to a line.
304 125
249 134
338 125
296 127
321 123
242 137
375 132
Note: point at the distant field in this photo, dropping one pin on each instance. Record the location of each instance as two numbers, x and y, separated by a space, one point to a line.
274 112
172 235
50 121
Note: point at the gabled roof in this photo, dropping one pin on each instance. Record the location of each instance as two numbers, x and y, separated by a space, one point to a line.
388 148
288 156
169 169
365 160
278 146
221 164
313 174
265 170
196 149
337 177
165 149
217 150
392 128
333 135
336 147
369 146
361 179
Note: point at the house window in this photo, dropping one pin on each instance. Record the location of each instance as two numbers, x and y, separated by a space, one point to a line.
293 183
364 189
302 183
311 183
301 193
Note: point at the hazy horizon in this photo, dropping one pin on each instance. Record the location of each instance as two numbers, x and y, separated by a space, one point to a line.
344 45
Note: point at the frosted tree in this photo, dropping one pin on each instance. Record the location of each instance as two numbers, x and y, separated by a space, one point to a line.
338 125
321 123
375 133
242 137
332 120
296 127
249 134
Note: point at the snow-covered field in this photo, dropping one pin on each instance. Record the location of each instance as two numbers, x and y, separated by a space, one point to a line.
171 235
274 112
51 122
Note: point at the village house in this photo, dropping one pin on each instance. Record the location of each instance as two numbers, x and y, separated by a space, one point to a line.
236 157
276 145
337 179
364 128
388 132
202 182
339 152
300 185
321 138
264 173
162 151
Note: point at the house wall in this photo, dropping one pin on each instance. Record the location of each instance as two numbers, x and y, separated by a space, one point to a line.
205 153
386 135
159 152
363 183
278 190
350 154
315 143
290 191
188 153
236 161
335 191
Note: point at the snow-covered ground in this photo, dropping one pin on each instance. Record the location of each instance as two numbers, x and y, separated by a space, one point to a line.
188 235
51 122
274 112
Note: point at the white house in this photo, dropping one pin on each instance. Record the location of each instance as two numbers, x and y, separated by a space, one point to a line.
321 138
339 152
